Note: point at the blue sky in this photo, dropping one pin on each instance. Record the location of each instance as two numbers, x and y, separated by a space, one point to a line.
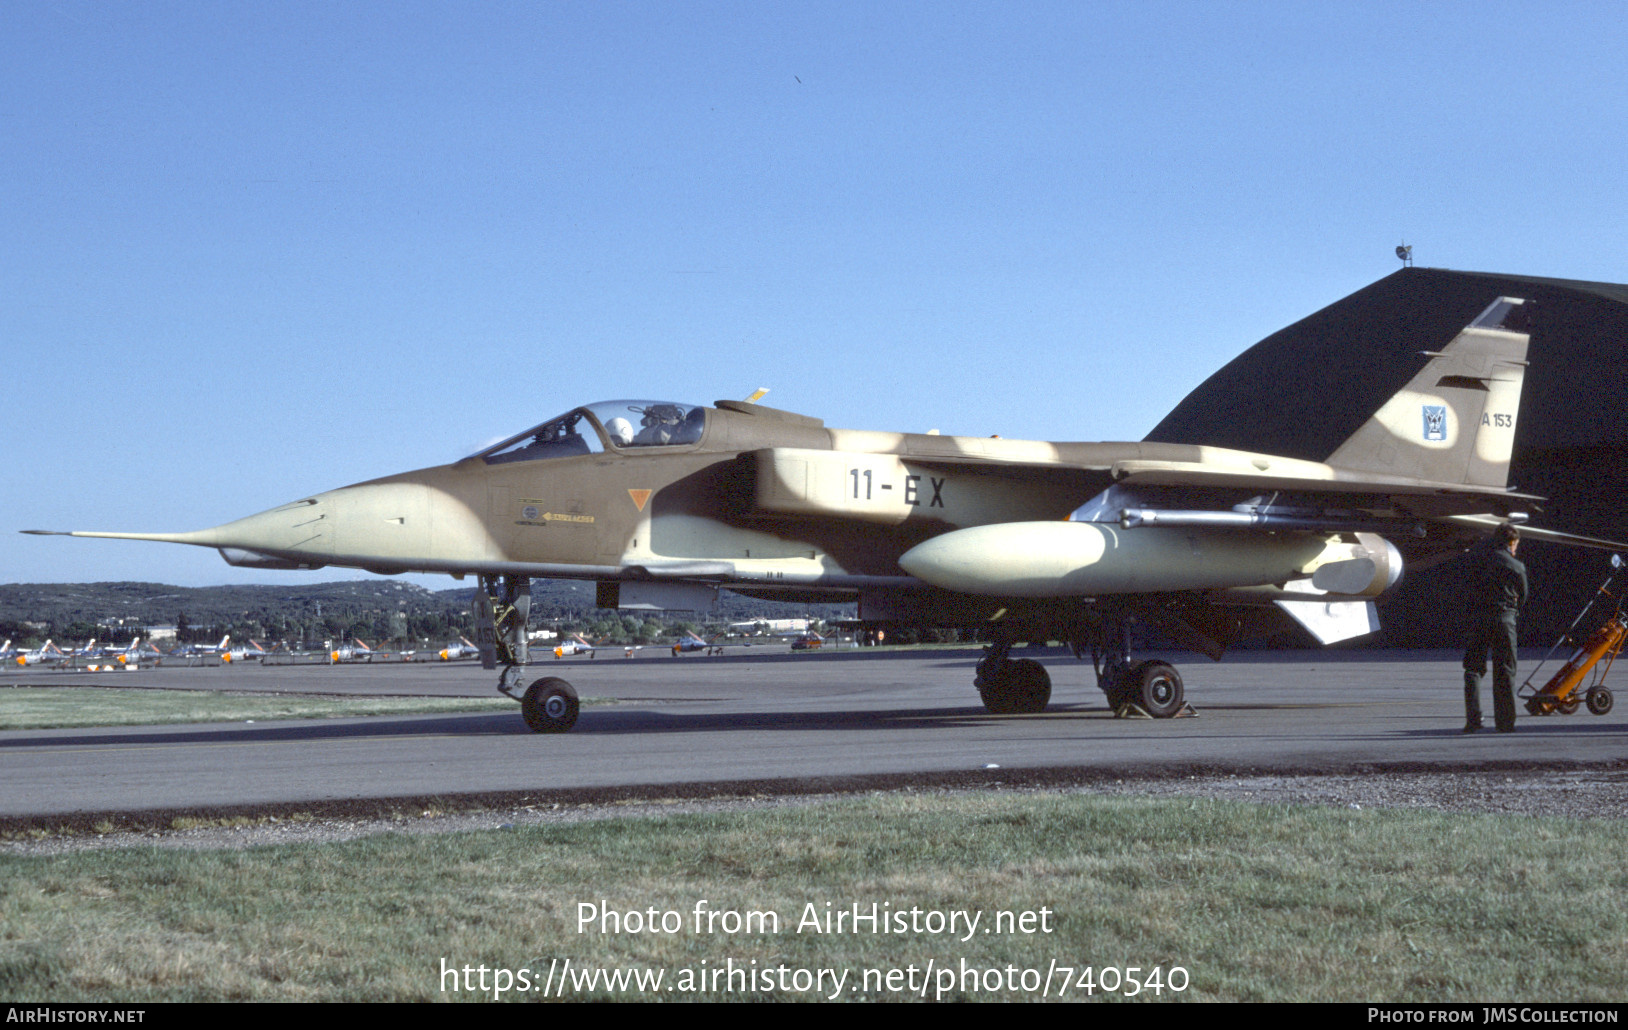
252 251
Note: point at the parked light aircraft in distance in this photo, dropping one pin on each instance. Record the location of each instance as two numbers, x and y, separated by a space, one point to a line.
771 627
253 652
200 650
663 504
577 645
46 654
690 642
355 651
460 650
573 646
129 657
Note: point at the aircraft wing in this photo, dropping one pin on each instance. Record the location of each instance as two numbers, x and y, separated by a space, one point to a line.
1552 536
1413 496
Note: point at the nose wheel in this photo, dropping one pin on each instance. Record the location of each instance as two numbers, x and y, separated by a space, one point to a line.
550 705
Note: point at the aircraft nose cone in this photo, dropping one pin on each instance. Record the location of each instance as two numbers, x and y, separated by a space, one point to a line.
289 536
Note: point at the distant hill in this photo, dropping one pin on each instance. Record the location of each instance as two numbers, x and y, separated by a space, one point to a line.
351 607
161 604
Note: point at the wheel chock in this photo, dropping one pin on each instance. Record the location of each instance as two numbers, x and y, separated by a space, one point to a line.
1132 710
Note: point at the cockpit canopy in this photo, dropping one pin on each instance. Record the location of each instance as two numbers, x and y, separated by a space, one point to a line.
593 428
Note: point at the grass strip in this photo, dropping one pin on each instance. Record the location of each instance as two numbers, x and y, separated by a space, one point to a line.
1254 902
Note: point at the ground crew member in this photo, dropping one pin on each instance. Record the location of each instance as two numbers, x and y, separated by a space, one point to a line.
1499 590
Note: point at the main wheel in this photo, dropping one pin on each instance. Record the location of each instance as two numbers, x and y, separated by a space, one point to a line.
550 705
1118 683
1599 700
1159 689
1013 687
991 684
1029 685
996 700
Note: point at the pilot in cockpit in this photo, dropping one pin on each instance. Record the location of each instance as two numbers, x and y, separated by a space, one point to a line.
620 431
658 423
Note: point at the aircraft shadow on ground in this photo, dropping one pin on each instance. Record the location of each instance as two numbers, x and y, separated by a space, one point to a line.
595 721
475 724
647 720
969 655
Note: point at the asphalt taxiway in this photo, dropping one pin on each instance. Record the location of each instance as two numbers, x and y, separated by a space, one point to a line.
769 720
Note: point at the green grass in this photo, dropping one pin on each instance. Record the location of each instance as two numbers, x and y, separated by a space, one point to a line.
35 708
1255 902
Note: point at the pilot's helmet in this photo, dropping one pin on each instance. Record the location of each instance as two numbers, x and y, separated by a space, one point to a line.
620 430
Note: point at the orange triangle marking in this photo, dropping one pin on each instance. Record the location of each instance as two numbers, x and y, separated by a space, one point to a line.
639 497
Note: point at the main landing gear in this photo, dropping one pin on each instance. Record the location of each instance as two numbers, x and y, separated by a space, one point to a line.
1011 687
502 608
1135 689
1146 688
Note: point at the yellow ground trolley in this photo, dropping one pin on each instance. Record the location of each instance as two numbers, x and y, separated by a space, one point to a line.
1581 681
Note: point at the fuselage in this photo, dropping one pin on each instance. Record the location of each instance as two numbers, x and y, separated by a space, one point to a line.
763 501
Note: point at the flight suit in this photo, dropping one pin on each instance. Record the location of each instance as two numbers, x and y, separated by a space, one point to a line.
1499 591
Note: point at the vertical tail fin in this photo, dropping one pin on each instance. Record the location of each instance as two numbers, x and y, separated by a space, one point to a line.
1455 421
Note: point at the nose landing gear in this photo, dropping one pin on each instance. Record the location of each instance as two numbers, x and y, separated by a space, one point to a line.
502 609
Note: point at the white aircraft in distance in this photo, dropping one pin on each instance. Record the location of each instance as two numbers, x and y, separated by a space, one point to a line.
690 642
576 645
356 651
253 652
771 627
196 650
47 654
130 657
459 651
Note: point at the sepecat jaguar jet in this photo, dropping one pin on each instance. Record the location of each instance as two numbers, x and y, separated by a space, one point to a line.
663 504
